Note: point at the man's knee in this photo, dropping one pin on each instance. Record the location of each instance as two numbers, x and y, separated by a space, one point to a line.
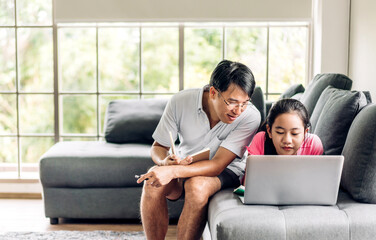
200 189
150 191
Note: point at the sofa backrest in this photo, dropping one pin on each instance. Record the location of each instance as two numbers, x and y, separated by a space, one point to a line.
133 121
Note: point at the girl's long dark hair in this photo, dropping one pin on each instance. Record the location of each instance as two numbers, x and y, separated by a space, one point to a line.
278 108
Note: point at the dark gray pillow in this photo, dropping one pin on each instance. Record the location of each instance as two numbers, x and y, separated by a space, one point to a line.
319 83
292 90
133 121
359 168
259 101
333 115
297 96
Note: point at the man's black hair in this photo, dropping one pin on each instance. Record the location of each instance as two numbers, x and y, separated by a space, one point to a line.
228 72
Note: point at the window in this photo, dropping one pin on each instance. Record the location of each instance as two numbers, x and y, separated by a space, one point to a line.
26 85
100 62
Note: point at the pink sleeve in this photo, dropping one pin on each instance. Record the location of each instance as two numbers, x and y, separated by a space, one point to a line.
313 146
257 145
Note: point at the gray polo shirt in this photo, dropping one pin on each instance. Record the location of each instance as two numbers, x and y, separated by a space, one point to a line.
184 117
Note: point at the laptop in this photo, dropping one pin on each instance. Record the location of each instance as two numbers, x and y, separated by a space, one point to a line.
292 179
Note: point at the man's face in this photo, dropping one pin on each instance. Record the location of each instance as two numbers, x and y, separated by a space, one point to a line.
229 104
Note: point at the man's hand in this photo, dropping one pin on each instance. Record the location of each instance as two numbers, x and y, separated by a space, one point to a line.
175 160
157 176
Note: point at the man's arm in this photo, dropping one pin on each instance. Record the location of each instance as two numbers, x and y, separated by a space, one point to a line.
164 174
159 153
161 156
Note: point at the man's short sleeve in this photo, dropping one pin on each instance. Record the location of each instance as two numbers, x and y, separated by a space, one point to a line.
167 123
242 134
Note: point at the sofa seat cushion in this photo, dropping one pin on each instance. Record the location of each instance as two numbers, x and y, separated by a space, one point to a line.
88 164
359 167
228 218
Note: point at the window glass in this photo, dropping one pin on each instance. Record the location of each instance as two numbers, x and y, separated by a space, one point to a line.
36 113
35 59
32 148
6 12
160 53
202 52
34 12
8 114
79 114
119 59
77 59
7 60
249 46
8 158
287 57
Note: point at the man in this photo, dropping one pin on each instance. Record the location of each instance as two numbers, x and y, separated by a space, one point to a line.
219 117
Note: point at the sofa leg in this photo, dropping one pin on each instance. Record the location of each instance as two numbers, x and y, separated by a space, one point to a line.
54 221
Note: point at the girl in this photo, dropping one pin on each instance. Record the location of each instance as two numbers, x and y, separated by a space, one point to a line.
286 132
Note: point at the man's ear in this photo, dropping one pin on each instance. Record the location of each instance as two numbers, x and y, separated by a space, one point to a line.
212 92
268 130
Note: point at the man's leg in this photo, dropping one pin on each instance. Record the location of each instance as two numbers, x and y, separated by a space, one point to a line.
154 214
193 217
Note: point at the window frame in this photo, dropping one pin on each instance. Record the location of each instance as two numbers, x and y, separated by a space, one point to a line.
58 94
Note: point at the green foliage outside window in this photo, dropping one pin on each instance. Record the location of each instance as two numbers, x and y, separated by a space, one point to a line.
202 51
97 63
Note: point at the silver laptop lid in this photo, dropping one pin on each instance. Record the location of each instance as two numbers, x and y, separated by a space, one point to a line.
292 179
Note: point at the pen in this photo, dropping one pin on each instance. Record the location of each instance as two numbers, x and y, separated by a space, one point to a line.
173 147
172 143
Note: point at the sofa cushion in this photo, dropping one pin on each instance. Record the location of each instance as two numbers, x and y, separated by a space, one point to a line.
333 115
229 218
359 168
94 164
319 83
292 90
259 101
133 121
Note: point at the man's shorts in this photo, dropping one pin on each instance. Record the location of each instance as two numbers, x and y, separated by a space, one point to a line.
228 180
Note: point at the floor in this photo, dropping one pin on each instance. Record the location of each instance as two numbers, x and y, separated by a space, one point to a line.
28 215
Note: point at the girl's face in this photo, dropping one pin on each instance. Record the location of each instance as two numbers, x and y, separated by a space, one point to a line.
287 133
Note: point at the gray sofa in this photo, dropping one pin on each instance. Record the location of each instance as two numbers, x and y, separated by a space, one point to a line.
346 123
96 179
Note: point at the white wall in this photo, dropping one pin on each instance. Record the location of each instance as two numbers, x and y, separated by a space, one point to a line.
180 10
362 60
330 36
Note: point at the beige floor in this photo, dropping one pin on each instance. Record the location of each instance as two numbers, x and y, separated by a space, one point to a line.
28 215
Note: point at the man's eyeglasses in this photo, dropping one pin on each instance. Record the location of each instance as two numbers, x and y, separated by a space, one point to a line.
232 105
